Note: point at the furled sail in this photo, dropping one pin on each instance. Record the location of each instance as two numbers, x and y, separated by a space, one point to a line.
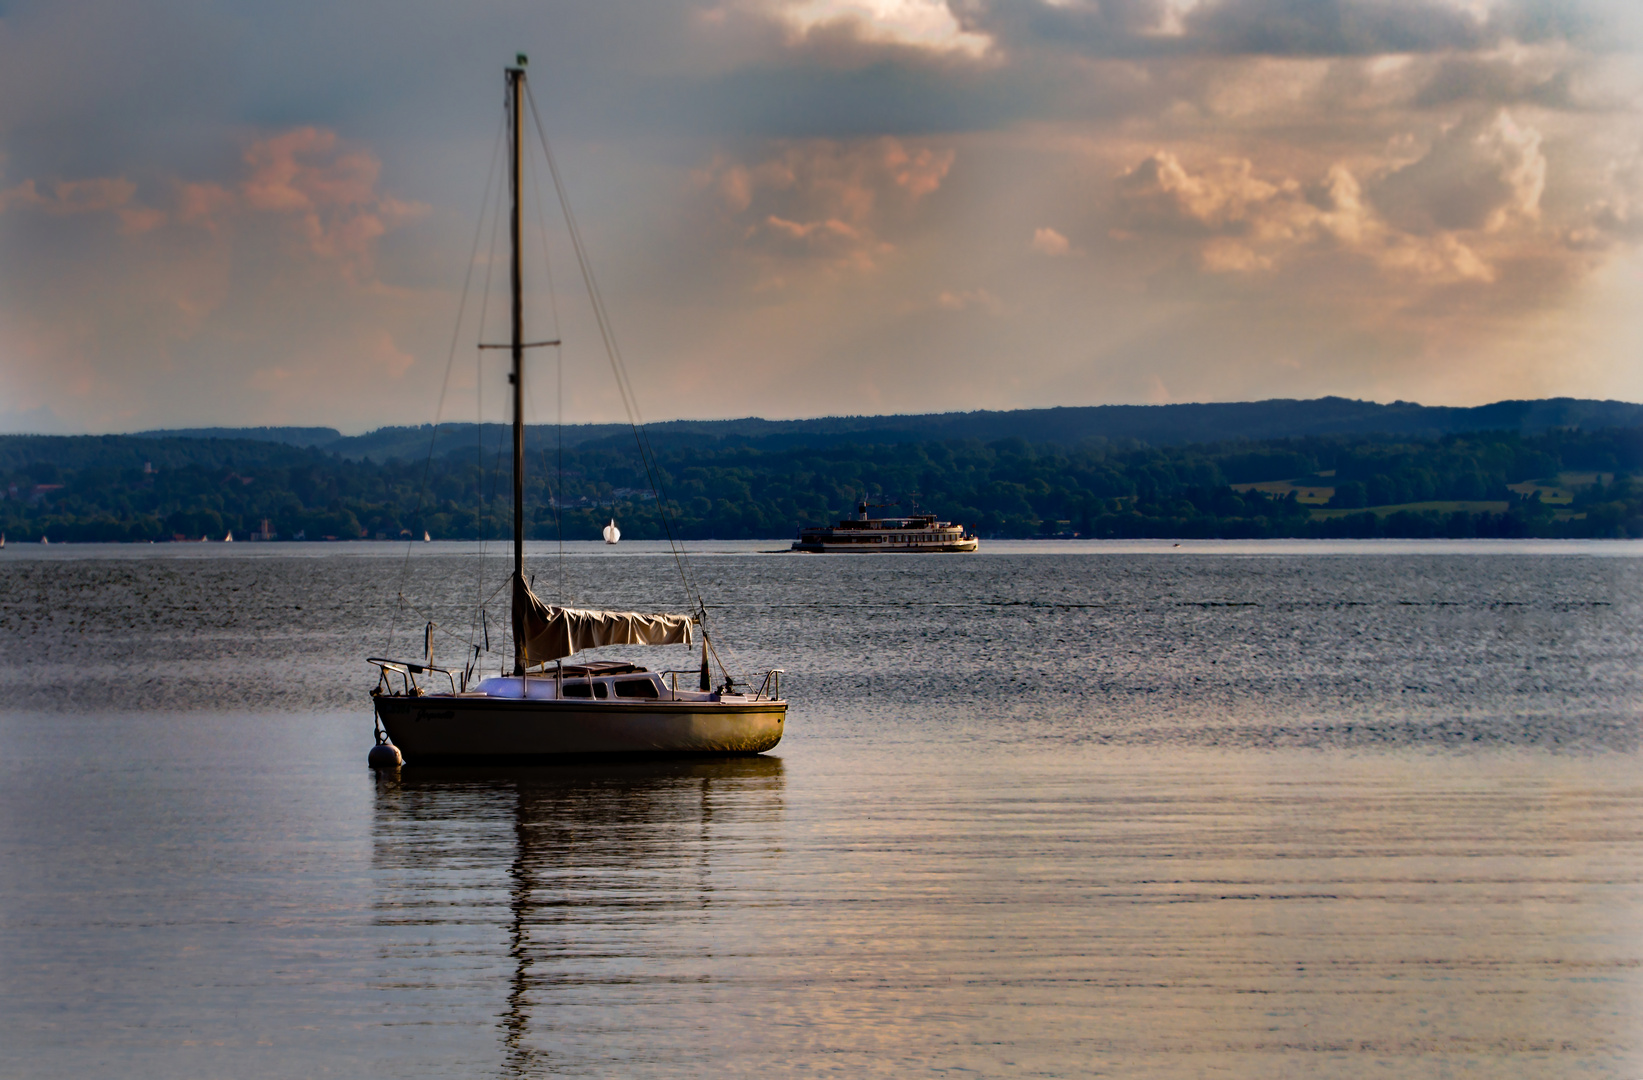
550 633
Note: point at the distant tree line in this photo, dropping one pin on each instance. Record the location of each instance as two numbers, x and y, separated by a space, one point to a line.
121 488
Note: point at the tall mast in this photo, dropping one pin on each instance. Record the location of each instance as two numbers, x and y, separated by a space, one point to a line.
516 77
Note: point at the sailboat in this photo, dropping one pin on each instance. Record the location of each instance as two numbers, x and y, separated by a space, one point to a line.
612 533
547 708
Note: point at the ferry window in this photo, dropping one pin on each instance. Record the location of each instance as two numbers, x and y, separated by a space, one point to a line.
601 690
576 689
635 688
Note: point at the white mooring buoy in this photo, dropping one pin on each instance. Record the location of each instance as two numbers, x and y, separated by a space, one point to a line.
384 755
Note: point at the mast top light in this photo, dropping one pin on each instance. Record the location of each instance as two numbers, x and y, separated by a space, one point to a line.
521 59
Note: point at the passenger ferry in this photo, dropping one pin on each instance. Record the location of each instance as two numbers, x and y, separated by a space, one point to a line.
918 533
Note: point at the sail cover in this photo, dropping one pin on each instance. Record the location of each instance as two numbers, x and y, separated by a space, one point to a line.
551 633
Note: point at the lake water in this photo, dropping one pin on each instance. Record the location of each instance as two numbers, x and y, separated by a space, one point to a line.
1133 810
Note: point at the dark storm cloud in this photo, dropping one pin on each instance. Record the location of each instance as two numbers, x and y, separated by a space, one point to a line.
1335 28
831 81
882 98
1468 79
159 85
1290 28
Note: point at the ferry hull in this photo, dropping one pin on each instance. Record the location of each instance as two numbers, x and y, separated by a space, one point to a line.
434 728
823 547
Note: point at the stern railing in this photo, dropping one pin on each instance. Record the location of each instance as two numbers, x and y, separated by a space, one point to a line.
408 671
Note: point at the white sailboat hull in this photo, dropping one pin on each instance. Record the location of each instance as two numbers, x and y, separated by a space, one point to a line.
446 727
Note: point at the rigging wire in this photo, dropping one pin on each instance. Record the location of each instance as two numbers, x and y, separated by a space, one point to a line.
559 368
479 398
624 385
445 384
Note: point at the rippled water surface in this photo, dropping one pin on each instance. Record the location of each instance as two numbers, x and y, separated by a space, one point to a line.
1136 811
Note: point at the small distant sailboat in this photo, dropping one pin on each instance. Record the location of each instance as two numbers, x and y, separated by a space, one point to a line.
43 539
2 540
612 533
229 539
426 539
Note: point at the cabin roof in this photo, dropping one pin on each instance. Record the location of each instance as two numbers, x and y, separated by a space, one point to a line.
596 668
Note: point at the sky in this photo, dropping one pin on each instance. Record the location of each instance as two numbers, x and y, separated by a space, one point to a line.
219 212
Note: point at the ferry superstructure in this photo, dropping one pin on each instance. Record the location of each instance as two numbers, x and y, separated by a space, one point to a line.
918 533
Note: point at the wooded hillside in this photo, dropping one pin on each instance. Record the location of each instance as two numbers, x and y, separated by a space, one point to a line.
1558 483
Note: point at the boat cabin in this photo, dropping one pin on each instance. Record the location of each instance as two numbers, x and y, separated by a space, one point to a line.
602 680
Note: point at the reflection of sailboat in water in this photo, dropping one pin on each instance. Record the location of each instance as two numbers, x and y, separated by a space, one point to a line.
620 880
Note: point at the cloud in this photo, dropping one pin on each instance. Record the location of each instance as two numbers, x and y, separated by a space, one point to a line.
924 24
1160 193
1339 27
100 195
1479 174
304 175
1615 216
332 190
1521 76
965 300
1146 29
1243 224
116 293
1379 197
1047 241
824 199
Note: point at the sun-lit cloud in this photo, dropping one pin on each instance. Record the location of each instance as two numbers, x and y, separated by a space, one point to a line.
1479 174
970 299
331 190
824 199
926 24
1467 203
142 280
1046 241
100 195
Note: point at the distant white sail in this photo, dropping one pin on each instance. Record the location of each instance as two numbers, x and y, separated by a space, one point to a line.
426 539
612 533
229 539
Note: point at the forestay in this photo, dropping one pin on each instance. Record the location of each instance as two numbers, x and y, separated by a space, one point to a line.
551 633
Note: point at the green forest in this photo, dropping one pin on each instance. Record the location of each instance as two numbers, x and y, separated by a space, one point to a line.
1559 483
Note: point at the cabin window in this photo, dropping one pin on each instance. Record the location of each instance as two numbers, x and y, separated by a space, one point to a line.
601 690
576 689
635 688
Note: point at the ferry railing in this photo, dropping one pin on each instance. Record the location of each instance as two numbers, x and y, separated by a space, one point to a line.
407 671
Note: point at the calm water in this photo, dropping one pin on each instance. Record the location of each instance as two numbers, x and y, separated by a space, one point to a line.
1134 811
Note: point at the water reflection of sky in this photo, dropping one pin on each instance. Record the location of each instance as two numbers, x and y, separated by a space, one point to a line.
611 886
1148 815
1022 913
